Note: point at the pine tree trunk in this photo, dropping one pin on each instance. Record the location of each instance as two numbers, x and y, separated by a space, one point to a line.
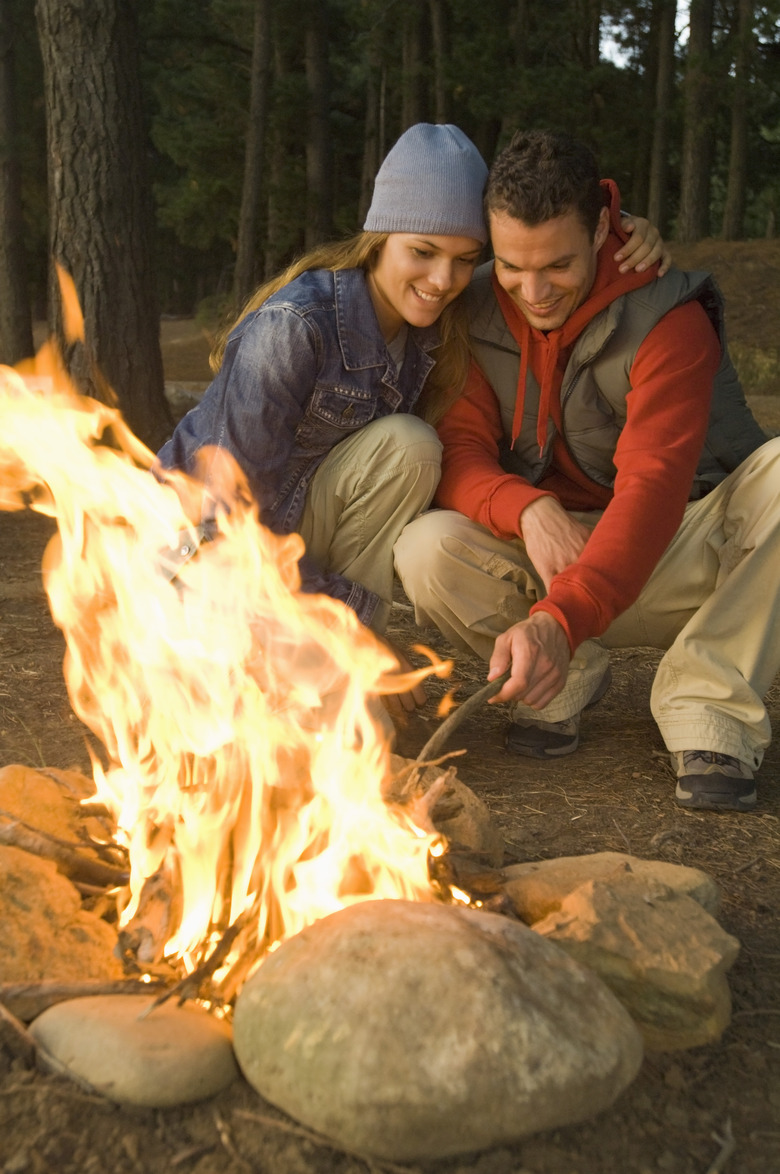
439 40
698 126
371 125
251 192
657 200
412 109
99 203
16 340
734 211
319 177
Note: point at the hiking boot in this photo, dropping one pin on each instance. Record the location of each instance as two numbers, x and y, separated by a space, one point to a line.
535 739
713 782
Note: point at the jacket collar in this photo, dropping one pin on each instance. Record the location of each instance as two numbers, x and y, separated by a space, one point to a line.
360 338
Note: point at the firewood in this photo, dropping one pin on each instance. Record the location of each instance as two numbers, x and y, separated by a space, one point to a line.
26 1000
70 861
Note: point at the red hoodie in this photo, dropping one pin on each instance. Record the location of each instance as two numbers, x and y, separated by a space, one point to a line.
656 455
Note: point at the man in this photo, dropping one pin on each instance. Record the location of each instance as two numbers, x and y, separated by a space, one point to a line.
604 485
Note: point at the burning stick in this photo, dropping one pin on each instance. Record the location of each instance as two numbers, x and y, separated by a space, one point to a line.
450 724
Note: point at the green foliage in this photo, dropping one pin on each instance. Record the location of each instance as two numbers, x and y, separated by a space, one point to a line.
497 76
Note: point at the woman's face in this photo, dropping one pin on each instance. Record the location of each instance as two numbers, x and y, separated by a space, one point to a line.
416 276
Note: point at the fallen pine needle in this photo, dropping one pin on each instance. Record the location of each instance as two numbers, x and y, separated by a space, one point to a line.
727 1147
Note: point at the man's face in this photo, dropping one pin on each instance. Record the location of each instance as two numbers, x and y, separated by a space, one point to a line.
547 270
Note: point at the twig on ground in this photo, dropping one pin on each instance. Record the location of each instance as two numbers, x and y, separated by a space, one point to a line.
623 836
228 1144
15 1036
748 864
319 1139
727 1146
451 723
27 1000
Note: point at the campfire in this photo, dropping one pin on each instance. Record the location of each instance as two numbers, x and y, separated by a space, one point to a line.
243 760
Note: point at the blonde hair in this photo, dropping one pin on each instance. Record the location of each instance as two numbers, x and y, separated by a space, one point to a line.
361 251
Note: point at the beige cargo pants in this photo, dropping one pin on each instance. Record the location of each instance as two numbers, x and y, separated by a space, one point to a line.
368 488
713 602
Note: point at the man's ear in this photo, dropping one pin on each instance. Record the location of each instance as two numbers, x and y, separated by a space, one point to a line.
602 229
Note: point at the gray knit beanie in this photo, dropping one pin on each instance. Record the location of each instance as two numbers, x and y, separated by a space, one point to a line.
432 182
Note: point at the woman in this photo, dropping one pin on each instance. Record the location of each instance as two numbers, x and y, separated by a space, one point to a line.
318 380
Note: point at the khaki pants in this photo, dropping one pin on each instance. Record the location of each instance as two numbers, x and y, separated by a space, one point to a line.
362 496
713 601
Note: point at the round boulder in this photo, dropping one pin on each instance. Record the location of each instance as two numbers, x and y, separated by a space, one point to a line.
411 1031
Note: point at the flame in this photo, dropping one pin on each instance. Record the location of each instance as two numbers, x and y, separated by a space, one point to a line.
243 760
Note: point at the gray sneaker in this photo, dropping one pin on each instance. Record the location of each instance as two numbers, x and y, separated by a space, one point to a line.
712 781
551 739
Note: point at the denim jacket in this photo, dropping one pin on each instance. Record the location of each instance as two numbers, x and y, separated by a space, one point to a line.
306 370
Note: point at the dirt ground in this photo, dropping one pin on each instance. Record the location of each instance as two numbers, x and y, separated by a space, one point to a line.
615 793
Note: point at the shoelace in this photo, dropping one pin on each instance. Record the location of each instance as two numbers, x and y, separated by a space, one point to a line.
712 757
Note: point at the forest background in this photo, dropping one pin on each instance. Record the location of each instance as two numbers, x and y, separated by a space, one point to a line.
170 154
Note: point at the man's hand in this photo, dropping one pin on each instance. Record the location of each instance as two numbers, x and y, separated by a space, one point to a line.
553 538
643 248
537 651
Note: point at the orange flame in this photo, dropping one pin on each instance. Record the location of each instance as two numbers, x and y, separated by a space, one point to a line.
235 711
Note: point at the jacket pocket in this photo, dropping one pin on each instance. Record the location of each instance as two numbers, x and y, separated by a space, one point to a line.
333 413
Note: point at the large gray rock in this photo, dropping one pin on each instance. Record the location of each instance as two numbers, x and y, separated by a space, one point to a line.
414 1031
174 1056
539 887
658 950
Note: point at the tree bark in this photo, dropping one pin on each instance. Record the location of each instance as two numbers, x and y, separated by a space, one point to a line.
657 200
251 191
16 340
412 109
734 211
439 42
319 179
99 204
698 126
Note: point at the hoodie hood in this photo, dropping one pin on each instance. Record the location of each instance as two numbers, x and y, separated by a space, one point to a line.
608 284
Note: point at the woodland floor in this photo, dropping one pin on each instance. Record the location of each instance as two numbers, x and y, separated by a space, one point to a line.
615 793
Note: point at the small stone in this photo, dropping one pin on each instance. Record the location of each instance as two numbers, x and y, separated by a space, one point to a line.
660 952
667 1161
174 1056
411 1031
539 888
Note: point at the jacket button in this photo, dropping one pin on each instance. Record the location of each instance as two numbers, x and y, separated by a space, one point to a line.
348 412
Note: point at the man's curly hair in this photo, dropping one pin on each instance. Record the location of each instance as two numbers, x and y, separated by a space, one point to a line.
542 175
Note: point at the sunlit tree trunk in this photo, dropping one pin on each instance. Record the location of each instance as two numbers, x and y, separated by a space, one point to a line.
698 126
734 211
251 192
99 203
657 199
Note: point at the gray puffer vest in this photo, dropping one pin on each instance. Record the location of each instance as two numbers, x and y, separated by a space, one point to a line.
597 381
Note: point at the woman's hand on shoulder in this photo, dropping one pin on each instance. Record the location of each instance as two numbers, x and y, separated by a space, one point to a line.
643 248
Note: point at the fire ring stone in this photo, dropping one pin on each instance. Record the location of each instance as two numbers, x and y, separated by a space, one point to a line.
410 1031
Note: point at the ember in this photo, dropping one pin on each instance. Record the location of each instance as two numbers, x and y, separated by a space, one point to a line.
243 761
